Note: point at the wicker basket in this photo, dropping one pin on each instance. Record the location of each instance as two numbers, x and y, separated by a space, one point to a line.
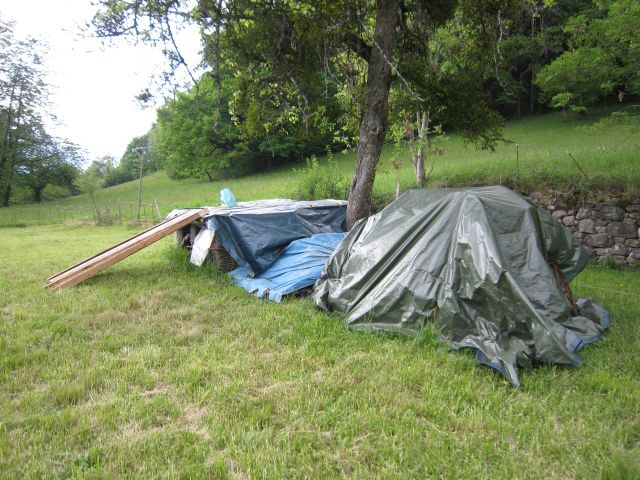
221 257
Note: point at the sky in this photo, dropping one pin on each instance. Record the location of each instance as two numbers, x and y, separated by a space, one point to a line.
93 86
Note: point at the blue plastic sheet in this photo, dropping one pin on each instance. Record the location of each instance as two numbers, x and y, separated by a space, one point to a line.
227 198
255 233
298 267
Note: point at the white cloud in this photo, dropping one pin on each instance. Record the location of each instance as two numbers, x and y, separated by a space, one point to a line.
93 86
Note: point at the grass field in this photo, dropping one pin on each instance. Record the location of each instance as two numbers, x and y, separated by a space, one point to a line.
538 157
155 369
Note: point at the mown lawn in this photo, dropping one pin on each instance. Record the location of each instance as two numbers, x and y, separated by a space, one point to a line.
155 369
536 157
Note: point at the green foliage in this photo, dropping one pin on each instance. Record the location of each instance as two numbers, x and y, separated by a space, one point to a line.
317 181
100 168
199 137
139 149
46 161
184 126
603 59
117 176
196 137
586 74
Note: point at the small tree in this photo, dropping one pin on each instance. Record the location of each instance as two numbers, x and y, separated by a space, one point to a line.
89 183
420 143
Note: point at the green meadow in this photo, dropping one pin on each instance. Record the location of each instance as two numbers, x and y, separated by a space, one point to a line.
157 369
536 155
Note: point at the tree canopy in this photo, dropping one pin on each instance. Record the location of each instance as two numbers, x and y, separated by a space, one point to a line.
603 58
303 68
30 158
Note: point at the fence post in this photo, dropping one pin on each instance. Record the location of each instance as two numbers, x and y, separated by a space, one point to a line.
155 201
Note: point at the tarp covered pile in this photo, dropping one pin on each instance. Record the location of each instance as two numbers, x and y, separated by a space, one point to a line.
255 233
479 263
280 245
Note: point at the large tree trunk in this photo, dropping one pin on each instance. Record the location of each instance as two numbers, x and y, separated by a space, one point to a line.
373 127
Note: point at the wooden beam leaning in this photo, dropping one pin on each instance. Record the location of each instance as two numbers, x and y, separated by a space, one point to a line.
106 250
92 265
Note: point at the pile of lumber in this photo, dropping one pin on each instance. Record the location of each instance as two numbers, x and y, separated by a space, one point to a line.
92 265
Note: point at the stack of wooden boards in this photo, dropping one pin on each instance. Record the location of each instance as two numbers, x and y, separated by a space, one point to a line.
92 265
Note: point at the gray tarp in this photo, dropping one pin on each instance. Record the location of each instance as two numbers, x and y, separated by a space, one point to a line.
476 262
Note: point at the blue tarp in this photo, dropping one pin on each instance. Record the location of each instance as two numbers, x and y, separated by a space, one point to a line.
255 233
298 267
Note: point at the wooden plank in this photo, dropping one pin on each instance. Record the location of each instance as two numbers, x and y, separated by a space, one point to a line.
106 250
182 219
92 265
89 267
88 262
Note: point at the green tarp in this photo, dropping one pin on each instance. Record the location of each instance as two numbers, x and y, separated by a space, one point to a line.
476 263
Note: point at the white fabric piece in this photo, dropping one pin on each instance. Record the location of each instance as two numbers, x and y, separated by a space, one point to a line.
200 246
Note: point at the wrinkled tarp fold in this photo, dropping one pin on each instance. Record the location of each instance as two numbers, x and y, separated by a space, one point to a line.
476 262
298 267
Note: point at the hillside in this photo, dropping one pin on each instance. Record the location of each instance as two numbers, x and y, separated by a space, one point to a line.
536 156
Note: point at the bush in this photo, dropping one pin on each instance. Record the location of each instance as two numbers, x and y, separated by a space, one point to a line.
117 176
317 181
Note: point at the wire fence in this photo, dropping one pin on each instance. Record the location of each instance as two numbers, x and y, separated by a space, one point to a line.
120 213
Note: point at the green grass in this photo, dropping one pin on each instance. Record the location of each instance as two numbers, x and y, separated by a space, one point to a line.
609 158
156 369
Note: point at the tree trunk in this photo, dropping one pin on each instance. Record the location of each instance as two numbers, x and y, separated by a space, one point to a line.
420 167
6 137
37 193
518 99
6 196
374 123
532 97
422 140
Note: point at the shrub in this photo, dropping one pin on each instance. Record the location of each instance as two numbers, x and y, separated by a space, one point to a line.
317 181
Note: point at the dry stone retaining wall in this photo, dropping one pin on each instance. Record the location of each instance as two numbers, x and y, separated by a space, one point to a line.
608 228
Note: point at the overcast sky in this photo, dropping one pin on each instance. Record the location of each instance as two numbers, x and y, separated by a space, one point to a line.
93 86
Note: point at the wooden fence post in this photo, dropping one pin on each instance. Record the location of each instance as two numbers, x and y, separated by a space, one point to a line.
155 201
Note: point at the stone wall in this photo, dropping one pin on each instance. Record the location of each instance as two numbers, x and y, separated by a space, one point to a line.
609 227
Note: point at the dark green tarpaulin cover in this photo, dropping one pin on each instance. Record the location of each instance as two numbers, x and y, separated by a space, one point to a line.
476 262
